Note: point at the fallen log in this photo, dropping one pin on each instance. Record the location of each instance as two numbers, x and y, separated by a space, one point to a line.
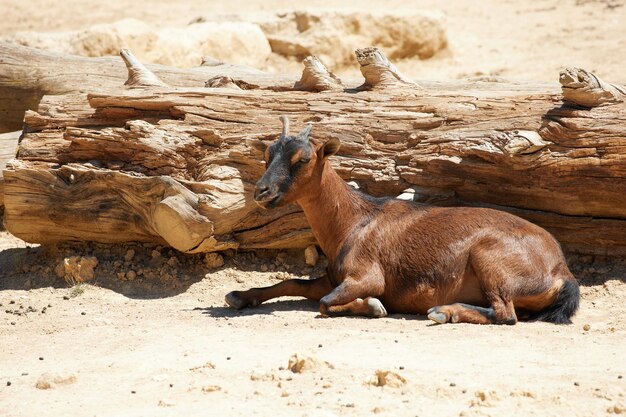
178 165
27 74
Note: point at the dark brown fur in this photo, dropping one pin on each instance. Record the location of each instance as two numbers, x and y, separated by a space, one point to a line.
470 265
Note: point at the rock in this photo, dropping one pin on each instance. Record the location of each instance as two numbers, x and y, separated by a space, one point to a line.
131 275
166 403
387 378
79 268
586 327
333 36
238 42
211 388
173 261
59 270
213 260
484 399
280 258
616 409
310 255
299 363
50 380
155 254
130 254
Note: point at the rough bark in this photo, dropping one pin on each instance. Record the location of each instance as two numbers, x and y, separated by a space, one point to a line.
177 166
27 74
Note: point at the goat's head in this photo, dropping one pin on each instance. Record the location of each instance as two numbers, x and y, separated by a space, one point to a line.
293 167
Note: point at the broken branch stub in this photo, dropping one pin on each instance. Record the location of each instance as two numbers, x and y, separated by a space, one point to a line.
584 88
222 81
138 74
316 77
378 71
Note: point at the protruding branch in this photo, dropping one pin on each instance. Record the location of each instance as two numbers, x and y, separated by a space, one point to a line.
586 89
222 81
285 121
316 77
138 74
378 71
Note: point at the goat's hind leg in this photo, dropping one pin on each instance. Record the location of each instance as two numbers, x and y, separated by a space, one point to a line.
368 307
501 312
355 298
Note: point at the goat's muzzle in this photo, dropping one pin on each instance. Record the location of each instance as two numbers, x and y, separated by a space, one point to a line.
265 196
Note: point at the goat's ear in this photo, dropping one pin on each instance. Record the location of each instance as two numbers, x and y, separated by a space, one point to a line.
330 147
304 133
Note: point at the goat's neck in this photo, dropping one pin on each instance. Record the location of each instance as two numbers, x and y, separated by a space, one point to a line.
332 211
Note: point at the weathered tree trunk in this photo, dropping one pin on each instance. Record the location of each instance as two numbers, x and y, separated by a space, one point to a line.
8 149
177 166
27 74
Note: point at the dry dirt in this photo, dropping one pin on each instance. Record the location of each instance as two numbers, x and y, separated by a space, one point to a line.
163 342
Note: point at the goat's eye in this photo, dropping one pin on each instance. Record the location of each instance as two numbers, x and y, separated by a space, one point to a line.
304 160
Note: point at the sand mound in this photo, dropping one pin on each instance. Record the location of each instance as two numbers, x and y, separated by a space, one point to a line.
333 36
240 42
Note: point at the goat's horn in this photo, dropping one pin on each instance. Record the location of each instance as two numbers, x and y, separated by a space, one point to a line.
285 121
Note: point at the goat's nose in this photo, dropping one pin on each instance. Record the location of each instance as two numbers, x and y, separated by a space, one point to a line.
261 190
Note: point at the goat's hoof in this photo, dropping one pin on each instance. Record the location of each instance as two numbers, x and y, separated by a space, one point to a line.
437 316
377 309
235 301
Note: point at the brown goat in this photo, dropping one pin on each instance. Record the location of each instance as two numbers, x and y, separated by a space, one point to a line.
471 265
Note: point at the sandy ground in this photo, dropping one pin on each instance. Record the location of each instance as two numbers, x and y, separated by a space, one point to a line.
165 344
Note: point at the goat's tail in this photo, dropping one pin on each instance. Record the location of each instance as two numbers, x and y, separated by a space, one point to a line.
564 306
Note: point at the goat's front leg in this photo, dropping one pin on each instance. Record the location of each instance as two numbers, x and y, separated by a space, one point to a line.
313 289
355 298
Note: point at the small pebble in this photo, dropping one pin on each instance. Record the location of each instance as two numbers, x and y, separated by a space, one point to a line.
228 358
41 358
12 302
133 392
619 377
320 345
452 384
66 297
82 313
576 384
24 373
171 385
8 383
49 305
586 327
401 367
12 323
